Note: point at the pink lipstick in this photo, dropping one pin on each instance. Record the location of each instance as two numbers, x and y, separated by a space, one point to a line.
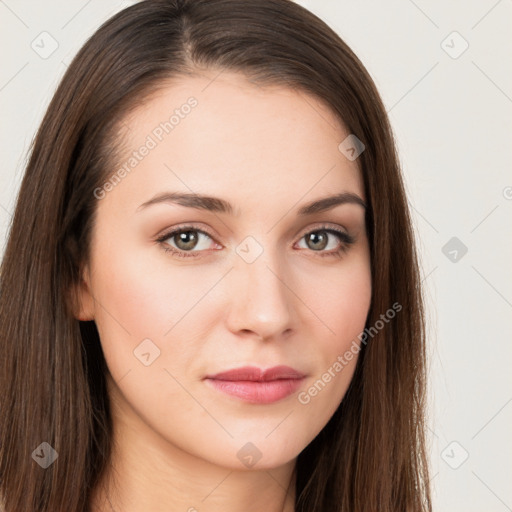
257 386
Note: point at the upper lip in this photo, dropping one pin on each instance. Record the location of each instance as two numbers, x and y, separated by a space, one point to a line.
252 373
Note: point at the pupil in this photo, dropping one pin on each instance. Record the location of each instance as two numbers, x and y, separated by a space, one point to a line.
319 236
185 244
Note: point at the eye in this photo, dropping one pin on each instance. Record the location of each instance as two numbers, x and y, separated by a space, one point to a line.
186 239
324 238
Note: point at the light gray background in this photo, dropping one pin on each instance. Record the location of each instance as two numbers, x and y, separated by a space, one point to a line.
452 116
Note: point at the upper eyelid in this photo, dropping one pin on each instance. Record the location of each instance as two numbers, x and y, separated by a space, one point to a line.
174 231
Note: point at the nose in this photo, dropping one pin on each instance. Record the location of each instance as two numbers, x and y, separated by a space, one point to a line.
261 302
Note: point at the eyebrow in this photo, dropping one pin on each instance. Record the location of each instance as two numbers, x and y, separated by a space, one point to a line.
216 204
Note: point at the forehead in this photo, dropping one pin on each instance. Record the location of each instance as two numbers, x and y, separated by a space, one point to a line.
226 136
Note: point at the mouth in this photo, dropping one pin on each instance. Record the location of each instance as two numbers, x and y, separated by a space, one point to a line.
257 386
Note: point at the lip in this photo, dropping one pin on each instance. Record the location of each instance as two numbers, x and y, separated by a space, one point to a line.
254 385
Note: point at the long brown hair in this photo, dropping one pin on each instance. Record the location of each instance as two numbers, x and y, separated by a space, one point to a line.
372 453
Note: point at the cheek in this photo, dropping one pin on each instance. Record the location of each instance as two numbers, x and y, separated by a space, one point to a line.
139 298
343 307
340 298
347 306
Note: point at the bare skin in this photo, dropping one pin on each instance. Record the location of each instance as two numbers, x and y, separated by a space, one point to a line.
179 443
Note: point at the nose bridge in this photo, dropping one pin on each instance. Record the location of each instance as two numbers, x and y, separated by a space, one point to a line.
260 299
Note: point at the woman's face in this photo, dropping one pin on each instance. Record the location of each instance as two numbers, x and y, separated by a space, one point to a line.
251 282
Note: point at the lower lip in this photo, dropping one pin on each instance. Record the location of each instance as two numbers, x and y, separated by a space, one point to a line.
257 392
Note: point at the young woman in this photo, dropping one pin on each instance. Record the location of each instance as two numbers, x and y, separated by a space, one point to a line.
210 296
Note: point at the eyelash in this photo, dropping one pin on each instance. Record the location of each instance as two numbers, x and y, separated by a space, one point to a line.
345 239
